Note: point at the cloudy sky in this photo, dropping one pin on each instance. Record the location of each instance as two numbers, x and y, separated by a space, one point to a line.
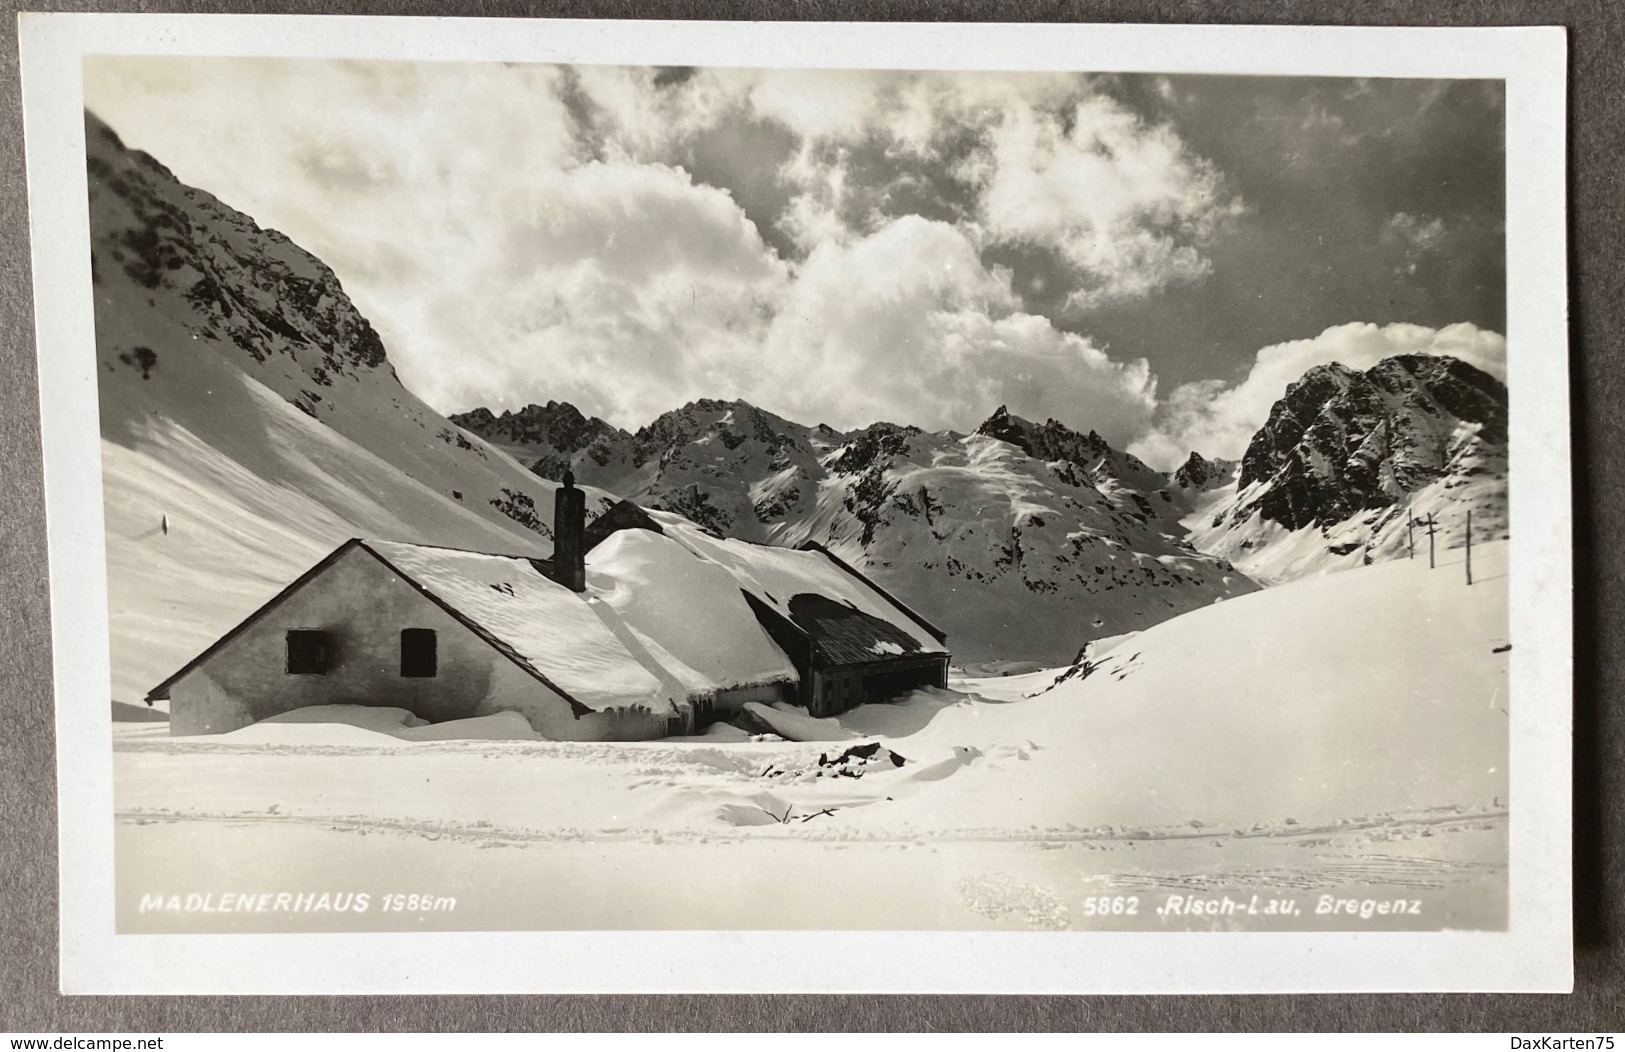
1153 257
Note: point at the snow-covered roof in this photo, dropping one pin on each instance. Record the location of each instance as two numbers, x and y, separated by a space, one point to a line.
546 627
687 612
850 618
665 616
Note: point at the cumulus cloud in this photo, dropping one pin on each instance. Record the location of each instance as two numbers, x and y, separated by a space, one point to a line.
1040 159
504 235
520 233
1127 204
532 232
1217 419
626 289
907 324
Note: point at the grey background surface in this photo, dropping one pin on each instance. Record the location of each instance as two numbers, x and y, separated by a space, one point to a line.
28 889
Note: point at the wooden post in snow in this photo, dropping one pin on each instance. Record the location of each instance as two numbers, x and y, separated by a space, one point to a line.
1469 547
1430 540
1410 536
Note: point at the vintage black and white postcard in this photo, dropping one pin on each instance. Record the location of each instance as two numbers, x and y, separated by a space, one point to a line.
572 506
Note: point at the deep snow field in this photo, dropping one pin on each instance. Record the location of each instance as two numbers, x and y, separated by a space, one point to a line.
1343 735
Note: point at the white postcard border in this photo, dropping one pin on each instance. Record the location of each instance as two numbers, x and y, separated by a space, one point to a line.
1534 955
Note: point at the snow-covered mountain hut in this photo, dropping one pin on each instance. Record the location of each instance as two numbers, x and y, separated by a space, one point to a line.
641 627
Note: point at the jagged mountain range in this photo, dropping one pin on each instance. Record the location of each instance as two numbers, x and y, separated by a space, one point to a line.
1012 513
1023 540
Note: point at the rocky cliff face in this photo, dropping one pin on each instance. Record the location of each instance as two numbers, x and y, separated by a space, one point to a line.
1347 458
1342 441
1199 473
250 290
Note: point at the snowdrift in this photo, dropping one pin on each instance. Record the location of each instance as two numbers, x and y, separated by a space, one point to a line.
687 612
372 725
1381 689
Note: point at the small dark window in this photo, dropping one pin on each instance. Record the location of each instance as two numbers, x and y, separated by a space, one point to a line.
418 657
307 652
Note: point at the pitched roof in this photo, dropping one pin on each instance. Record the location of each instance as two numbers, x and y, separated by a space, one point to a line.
511 603
841 610
538 622
907 611
686 611
846 635
161 691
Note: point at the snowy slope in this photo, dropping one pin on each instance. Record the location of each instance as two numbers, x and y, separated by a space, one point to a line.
1343 696
249 408
1348 459
245 514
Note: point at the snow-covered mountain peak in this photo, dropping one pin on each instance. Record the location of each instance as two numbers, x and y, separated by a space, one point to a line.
1341 441
554 438
1348 458
1055 441
875 446
558 423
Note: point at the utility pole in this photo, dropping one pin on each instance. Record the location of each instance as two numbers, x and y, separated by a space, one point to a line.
1430 540
1469 547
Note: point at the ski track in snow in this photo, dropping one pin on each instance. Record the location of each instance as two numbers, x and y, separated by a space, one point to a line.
1384 828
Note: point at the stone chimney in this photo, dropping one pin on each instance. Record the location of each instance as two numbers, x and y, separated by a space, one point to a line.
569 535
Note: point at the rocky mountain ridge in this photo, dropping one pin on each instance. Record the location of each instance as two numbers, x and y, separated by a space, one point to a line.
199 308
1022 539
1200 473
1348 458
